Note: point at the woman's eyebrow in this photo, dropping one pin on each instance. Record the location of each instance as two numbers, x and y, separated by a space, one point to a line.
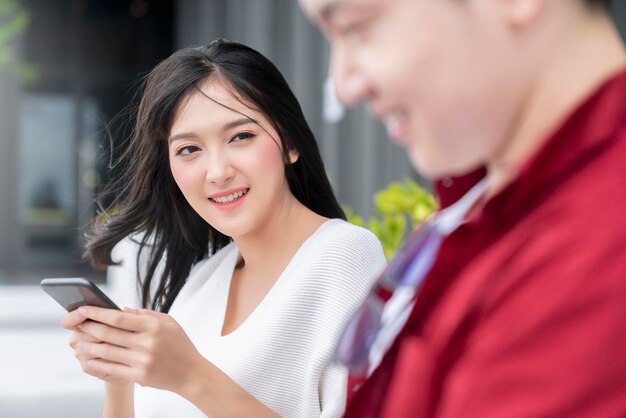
230 125
183 135
236 123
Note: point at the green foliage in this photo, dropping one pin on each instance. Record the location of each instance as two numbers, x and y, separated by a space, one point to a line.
13 22
399 208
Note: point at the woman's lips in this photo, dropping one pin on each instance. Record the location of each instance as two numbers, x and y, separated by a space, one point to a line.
230 200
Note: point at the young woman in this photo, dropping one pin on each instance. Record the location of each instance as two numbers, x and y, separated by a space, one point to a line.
252 273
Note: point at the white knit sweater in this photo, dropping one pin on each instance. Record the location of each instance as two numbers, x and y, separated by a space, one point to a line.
282 353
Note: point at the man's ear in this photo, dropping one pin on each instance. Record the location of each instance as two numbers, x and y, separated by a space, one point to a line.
521 13
293 155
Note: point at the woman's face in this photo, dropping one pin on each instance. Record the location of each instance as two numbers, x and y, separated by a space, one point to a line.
229 167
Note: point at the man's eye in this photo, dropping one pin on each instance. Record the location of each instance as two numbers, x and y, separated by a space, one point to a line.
241 136
187 150
352 31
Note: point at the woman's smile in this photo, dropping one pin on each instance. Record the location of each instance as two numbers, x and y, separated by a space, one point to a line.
230 199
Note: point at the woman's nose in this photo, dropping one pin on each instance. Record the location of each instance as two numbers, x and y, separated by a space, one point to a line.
219 170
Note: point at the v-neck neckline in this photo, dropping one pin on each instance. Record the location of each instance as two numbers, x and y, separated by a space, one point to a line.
228 268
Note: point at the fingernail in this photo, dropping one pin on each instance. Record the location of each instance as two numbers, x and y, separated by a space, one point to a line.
83 311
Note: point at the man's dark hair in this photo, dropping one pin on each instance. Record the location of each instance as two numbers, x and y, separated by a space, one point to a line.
599 3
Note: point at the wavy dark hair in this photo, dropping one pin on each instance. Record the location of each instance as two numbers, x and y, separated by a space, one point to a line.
148 204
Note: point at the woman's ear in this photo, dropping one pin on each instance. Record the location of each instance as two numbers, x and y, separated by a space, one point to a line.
293 155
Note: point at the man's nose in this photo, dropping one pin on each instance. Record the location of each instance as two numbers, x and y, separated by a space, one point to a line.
351 84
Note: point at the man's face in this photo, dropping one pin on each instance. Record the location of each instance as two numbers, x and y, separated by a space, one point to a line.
438 72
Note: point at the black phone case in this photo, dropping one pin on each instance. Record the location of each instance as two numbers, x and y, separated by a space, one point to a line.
73 293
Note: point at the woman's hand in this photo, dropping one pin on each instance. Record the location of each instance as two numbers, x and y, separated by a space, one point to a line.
72 321
141 346
151 348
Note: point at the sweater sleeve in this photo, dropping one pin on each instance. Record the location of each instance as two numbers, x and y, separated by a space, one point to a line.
350 261
122 278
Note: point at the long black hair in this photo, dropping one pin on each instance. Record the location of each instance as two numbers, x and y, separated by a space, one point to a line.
148 202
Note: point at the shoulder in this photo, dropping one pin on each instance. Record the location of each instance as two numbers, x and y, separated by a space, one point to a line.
342 254
345 247
342 236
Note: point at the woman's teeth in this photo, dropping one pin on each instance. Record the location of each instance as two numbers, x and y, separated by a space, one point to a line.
229 198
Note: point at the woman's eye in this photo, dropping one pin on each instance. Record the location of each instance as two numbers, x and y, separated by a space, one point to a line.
187 150
241 136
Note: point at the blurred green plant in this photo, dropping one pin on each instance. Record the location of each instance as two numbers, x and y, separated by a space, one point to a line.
14 20
398 209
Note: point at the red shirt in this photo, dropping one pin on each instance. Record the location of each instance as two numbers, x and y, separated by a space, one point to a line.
524 312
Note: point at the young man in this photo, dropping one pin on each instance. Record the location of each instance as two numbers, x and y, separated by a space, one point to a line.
523 313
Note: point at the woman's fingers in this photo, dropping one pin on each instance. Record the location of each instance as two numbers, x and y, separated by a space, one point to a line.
87 360
107 352
71 319
111 372
111 363
121 329
83 357
99 340
78 336
132 346
102 332
127 321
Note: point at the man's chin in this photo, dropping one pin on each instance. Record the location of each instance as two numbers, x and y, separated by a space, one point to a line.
425 166
434 168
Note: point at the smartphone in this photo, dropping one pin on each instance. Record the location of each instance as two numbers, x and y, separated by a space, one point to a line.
72 293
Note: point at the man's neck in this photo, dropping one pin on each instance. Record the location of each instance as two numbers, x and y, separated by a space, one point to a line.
589 51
